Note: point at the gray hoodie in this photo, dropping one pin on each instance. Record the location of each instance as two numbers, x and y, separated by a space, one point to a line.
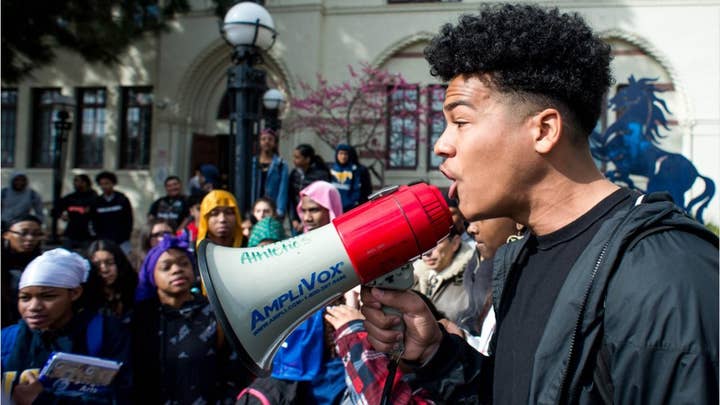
18 203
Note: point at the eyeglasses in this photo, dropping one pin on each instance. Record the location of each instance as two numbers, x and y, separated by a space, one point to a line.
28 234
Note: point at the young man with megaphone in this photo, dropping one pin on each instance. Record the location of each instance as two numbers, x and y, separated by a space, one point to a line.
612 296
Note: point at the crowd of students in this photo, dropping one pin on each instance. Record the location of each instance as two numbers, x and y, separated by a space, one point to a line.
599 294
155 318
157 321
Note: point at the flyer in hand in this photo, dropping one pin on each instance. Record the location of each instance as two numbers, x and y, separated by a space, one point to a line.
76 375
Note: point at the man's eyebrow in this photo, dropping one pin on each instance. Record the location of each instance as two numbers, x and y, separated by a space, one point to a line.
451 106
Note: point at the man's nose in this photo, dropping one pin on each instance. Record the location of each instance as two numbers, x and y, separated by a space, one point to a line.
35 305
443 147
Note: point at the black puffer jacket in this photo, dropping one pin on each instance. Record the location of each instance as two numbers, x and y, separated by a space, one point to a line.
643 294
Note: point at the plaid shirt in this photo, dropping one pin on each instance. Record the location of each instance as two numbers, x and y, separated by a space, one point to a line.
367 369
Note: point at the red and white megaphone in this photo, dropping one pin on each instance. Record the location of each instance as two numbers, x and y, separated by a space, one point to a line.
261 294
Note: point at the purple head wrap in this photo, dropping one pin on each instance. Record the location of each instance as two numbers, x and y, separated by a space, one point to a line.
147 288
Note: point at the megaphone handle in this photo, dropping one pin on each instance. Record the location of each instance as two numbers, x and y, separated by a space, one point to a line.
399 349
398 279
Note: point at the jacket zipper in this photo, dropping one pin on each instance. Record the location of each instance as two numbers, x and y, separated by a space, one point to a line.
578 322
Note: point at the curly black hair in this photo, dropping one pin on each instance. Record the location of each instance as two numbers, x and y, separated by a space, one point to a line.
537 54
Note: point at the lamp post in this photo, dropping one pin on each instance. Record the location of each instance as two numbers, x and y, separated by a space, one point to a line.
60 105
273 101
248 28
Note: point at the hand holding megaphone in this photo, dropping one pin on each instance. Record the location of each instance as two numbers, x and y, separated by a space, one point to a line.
261 294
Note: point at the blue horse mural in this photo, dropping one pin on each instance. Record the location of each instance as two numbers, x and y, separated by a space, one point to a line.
631 145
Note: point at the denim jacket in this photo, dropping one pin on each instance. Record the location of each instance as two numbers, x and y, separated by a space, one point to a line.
276 183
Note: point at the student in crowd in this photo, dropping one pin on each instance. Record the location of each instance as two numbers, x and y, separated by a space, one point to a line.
439 275
264 207
220 219
173 206
459 222
366 187
119 279
22 242
345 176
611 297
54 320
19 199
74 208
151 235
309 167
190 232
477 323
209 178
194 185
267 230
270 172
155 231
111 215
179 352
246 225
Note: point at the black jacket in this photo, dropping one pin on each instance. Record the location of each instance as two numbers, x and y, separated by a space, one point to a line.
179 357
640 303
77 204
112 220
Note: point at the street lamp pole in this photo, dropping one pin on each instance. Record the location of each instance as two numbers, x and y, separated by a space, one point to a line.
249 28
62 127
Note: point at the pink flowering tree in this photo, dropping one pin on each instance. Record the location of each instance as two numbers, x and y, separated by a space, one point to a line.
360 111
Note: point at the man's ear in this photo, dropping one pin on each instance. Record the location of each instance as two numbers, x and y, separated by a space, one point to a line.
546 127
75 293
455 242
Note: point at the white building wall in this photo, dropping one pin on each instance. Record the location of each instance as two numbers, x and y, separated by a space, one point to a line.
187 68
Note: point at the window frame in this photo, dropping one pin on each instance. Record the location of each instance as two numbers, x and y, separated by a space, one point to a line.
432 114
125 158
9 126
415 117
80 124
38 113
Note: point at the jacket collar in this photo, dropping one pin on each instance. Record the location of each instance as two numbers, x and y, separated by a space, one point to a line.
455 269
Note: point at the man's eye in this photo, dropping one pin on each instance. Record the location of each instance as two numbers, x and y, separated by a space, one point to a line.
460 124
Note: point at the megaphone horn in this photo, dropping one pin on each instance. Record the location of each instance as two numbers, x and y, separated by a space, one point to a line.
261 294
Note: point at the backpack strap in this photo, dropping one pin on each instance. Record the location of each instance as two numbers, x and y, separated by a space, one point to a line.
94 335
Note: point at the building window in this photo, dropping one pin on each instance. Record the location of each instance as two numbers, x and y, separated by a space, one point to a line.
436 122
9 126
90 127
403 127
43 131
136 127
